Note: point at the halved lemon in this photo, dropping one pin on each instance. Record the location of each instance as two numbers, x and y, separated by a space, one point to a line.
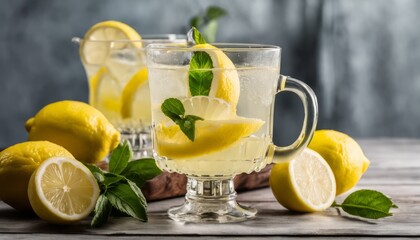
304 184
62 190
210 136
135 98
225 84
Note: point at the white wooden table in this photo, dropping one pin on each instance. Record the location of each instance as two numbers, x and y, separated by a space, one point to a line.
394 170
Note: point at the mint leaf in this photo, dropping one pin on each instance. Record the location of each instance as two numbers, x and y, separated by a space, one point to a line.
123 198
210 31
207 22
196 36
214 13
367 204
139 194
200 74
120 157
173 109
102 211
112 179
139 171
96 171
195 22
187 126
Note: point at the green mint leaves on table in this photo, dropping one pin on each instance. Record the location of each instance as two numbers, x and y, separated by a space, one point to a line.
367 204
120 187
174 109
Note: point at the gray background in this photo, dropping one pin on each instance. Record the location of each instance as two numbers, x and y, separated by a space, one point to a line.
362 57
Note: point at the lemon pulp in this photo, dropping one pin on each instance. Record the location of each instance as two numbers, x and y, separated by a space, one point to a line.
304 184
62 190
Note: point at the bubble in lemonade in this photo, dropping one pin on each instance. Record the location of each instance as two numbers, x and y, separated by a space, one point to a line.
230 132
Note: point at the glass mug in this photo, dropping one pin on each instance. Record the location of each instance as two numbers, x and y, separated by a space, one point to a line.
119 87
233 133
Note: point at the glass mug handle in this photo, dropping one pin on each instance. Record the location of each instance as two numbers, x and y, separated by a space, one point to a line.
310 106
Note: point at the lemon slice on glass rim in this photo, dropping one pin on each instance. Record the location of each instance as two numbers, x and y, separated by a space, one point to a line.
94 48
62 190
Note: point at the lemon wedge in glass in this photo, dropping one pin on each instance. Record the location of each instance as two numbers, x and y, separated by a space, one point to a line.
135 98
225 83
219 129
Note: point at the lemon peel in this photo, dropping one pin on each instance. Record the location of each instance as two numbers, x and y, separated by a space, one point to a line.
80 128
17 163
304 184
343 154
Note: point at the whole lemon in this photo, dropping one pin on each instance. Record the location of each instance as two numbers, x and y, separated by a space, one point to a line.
78 127
17 163
343 154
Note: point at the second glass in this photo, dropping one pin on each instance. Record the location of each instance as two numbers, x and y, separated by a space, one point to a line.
119 86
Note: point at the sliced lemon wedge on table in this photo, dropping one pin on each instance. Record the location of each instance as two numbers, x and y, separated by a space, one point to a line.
304 184
62 190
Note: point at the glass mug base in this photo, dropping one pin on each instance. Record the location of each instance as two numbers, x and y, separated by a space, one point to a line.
140 142
210 201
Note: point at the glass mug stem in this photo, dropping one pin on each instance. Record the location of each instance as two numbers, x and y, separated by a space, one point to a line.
310 107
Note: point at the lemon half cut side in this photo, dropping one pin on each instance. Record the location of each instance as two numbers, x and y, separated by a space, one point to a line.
62 190
304 184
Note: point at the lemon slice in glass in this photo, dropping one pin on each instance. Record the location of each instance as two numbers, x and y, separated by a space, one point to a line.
62 190
225 83
304 184
104 93
135 98
210 136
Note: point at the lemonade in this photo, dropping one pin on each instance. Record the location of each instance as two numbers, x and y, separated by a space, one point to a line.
245 155
108 80
113 55
212 116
